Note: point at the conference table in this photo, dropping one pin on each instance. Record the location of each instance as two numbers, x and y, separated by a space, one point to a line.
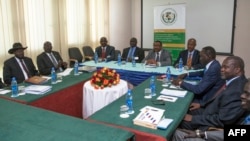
20 122
65 97
109 115
139 73
95 99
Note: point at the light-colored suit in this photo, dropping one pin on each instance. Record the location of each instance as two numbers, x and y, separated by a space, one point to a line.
165 57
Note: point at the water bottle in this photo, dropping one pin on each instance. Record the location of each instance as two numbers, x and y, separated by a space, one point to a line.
119 59
76 68
14 87
168 75
133 61
180 65
152 85
53 76
96 57
129 102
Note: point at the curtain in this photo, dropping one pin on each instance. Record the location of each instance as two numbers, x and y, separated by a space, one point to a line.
65 23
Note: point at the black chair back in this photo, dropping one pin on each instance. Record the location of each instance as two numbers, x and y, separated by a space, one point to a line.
88 52
75 54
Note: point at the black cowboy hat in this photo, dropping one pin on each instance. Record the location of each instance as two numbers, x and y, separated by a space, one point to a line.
15 47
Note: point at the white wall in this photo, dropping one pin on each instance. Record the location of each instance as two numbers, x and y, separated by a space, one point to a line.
126 22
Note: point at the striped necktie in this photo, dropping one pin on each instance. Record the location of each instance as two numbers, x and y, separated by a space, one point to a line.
53 60
25 68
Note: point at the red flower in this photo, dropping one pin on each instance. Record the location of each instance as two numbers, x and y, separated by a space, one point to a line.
105 77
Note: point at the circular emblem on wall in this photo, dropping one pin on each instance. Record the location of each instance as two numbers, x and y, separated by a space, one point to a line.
168 16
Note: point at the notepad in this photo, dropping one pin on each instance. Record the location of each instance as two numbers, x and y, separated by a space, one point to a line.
163 124
176 93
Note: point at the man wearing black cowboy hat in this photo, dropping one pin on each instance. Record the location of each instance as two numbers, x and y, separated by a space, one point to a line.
19 66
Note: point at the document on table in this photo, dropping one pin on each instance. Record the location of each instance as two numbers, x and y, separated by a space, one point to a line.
65 72
167 98
37 89
3 91
176 93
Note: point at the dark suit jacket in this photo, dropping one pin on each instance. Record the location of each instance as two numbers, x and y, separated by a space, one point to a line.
165 58
137 53
195 59
44 63
110 52
210 83
11 69
225 108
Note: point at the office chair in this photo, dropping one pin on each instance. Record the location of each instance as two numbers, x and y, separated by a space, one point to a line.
88 52
75 55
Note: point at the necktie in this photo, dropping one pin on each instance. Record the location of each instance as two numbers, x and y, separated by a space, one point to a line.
130 54
53 60
157 57
25 68
219 91
189 60
247 120
103 52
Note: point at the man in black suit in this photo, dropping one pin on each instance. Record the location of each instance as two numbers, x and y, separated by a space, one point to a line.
158 56
190 56
19 66
105 51
133 51
215 134
225 106
211 78
49 59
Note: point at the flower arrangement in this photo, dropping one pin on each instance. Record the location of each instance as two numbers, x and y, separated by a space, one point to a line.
105 77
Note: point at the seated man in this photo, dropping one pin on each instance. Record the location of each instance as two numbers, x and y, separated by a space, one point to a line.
158 56
19 66
190 56
211 78
49 59
216 134
225 106
105 51
133 51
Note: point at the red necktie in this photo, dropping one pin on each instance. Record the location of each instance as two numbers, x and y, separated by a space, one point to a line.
220 90
25 68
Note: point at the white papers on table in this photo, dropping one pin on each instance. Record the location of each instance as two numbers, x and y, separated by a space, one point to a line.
37 89
3 91
87 68
176 93
167 98
146 108
65 72
151 66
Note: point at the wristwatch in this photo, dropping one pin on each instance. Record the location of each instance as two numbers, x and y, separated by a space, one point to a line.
198 133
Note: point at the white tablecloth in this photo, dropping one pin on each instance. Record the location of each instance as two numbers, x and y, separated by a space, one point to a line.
95 99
